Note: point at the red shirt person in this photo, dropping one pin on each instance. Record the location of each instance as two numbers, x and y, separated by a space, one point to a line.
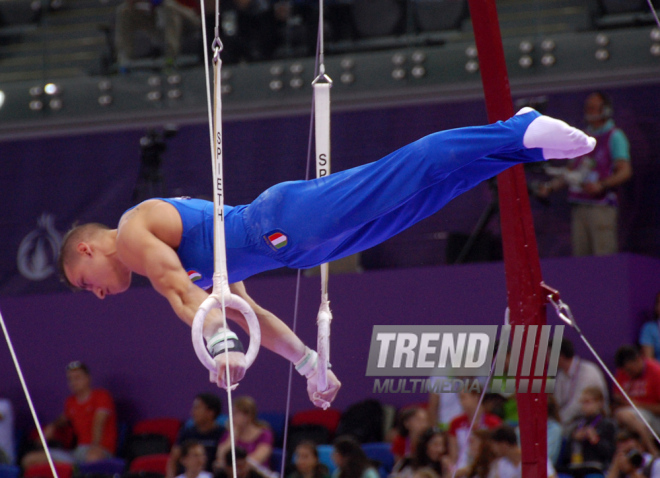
91 413
639 376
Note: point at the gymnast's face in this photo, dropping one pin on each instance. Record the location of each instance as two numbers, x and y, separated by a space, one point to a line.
99 273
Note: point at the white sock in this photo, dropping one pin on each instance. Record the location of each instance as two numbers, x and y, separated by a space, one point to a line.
557 139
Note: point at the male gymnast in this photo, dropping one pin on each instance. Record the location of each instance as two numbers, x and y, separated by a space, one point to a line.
300 224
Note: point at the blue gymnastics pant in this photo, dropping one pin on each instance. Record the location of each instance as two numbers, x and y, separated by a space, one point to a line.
349 211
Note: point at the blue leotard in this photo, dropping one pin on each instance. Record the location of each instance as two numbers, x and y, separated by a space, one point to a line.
302 224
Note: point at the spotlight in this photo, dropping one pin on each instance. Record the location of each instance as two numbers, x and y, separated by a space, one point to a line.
105 85
418 71
55 104
472 66
36 105
347 78
154 96
174 79
52 89
175 94
602 39
548 45
471 51
419 57
2 98
347 63
548 59
296 83
525 61
602 54
398 59
526 46
398 74
105 100
276 85
296 68
276 70
154 81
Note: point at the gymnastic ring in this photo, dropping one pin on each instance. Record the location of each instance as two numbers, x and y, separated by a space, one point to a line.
232 301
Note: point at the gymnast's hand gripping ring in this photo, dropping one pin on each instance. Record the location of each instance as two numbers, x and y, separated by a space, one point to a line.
232 301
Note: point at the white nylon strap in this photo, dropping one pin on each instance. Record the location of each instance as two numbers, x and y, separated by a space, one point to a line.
322 137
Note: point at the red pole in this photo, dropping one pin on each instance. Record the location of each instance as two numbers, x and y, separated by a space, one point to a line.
521 261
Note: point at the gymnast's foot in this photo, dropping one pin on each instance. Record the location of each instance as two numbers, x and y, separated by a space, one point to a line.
557 139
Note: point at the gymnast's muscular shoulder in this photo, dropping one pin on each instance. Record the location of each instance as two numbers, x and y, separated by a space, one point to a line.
149 228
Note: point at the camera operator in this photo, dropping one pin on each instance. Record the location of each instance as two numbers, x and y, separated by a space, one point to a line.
631 460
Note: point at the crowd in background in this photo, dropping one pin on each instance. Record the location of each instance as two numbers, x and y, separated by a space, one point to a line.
592 430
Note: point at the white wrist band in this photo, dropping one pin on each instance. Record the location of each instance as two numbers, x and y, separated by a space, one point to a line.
306 366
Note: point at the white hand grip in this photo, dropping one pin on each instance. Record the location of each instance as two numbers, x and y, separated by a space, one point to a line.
323 346
232 301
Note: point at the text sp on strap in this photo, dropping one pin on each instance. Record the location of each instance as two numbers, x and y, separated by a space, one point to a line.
221 297
322 85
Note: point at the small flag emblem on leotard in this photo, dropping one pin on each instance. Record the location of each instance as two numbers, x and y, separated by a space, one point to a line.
278 240
194 275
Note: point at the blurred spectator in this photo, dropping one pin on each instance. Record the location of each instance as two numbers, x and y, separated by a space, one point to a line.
639 376
425 473
91 413
193 459
554 430
411 424
459 427
592 181
591 438
480 455
306 462
255 437
161 20
243 468
509 457
431 453
205 430
649 337
574 374
248 30
7 454
351 460
443 407
631 459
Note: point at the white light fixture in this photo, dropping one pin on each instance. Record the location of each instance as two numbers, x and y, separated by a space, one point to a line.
296 68
55 104
602 39
52 89
154 96
526 61
175 94
398 74
36 91
154 81
602 54
226 89
276 70
472 66
655 34
296 83
655 49
471 51
105 85
548 59
548 45
419 57
2 98
105 100
418 71
276 85
526 46
174 79
347 63
347 78
398 59
36 105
